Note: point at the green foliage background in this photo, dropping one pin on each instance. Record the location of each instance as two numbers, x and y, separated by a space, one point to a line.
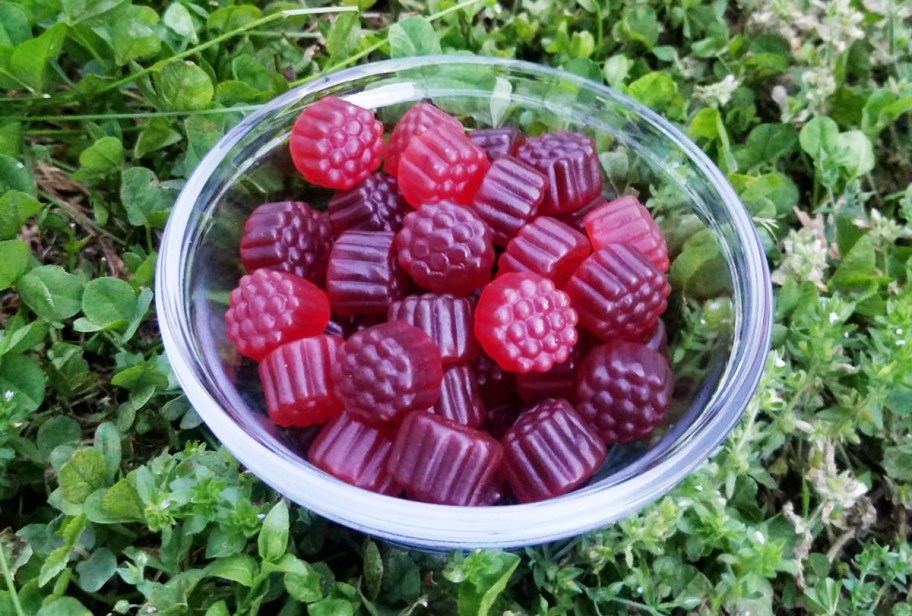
113 497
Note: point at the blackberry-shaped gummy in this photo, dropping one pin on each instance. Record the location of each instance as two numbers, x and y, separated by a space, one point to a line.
363 276
439 461
570 162
558 382
497 142
269 308
441 164
623 390
373 205
549 451
445 248
336 144
385 371
524 323
419 118
445 318
355 452
460 400
287 236
546 247
626 221
508 197
296 382
618 293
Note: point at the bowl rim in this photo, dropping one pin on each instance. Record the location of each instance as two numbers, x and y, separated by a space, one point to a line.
438 527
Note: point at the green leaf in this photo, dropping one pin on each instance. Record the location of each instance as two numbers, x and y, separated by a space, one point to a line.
218 609
818 137
109 302
331 607
58 431
65 606
178 19
373 569
16 549
82 475
10 138
232 17
824 597
768 142
14 176
273 539
897 462
14 25
413 36
133 34
401 577
882 108
30 62
700 269
482 576
616 69
343 36
97 570
640 24
77 11
157 134
107 441
144 198
23 377
16 208
240 568
306 585
14 260
857 268
183 86
854 153
100 159
658 91
121 502
21 336
51 292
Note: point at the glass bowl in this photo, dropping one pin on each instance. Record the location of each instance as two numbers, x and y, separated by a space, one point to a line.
198 265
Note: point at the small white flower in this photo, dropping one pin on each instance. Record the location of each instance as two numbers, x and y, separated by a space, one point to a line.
805 258
834 318
165 504
717 94
8 395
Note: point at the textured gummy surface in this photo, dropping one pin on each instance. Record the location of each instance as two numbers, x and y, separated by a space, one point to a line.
373 205
336 144
269 308
355 452
363 276
497 386
288 236
297 383
439 461
441 164
445 248
460 400
445 318
546 247
570 162
419 118
524 323
497 142
618 293
549 451
626 221
624 389
386 370
558 382
509 197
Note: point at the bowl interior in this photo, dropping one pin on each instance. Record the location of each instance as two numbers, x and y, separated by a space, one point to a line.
722 270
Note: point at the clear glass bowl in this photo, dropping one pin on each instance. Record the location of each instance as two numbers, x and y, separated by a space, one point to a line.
198 265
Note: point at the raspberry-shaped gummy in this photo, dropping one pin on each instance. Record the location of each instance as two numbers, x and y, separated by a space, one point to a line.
623 390
363 276
355 452
419 118
439 461
446 248
288 236
570 162
269 308
626 221
525 323
373 205
441 164
336 144
384 371
445 318
497 142
618 293
296 382
508 197
546 247
549 451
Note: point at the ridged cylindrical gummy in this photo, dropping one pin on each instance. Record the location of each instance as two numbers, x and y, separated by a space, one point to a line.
509 197
445 318
460 400
546 247
363 276
355 452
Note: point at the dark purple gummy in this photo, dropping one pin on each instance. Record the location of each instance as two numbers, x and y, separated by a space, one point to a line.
363 276
460 400
509 197
570 162
497 142
445 318
497 386
374 205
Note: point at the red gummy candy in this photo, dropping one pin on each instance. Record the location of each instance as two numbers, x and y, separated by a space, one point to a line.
524 323
501 418
445 318
558 382
269 308
509 197
336 144
497 142
446 248
460 400
497 386
624 389
373 205
570 162
297 384
439 461
386 370
546 247
657 339
549 451
288 236
355 452
441 164
626 221
618 293
419 118
363 276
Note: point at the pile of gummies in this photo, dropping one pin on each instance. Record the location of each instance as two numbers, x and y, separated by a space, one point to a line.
475 322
